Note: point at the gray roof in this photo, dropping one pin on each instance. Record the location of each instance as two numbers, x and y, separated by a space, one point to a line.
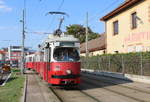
95 44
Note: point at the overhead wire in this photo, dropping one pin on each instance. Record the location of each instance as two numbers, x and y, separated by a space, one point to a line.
28 31
108 7
60 6
58 9
93 18
102 11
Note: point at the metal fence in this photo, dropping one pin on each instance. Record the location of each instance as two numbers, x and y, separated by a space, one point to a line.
138 63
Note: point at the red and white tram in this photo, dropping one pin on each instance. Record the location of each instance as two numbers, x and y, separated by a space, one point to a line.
58 62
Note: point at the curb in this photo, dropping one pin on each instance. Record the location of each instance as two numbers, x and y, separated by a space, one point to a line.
23 99
6 79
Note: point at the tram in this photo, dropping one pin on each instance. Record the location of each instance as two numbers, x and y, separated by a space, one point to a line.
58 60
29 61
63 54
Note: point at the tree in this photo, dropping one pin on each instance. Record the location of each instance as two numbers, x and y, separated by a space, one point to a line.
80 32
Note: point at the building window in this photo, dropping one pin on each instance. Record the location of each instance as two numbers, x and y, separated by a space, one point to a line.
104 52
116 52
134 20
116 27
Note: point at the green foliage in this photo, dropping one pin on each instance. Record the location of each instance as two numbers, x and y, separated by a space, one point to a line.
93 36
79 32
131 63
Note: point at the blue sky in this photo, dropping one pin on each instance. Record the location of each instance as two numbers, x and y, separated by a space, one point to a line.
36 21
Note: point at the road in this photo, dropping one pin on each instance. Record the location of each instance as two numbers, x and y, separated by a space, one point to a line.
92 89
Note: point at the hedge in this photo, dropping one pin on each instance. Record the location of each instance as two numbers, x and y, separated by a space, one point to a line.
131 63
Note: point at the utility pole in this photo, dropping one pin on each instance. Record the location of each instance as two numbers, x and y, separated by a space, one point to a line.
23 38
86 40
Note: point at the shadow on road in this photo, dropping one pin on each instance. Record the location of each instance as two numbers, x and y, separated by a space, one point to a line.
89 81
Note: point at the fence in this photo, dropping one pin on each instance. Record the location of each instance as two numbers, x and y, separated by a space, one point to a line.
133 63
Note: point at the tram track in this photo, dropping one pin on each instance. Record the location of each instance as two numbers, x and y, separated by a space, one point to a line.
109 82
60 94
63 98
87 91
97 100
56 94
101 85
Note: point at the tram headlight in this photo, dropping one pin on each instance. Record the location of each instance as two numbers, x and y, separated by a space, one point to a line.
68 71
57 68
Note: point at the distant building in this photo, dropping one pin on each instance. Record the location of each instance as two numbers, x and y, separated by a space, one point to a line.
2 55
14 54
95 47
128 27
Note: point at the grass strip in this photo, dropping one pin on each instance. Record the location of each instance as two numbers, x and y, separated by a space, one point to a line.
12 91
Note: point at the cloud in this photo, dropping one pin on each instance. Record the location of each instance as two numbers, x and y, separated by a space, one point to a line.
4 7
1 2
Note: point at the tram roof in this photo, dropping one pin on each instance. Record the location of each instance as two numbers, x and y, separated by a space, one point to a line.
61 38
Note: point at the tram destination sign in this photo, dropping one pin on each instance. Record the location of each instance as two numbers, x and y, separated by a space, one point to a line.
67 44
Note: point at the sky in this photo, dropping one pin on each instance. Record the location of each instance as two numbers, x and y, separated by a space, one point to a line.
38 21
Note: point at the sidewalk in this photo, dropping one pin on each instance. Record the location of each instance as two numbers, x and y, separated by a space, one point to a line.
37 89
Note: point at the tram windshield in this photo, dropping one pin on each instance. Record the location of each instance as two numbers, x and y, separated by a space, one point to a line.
66 54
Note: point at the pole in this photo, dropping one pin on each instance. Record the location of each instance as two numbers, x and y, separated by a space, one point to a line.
23 38
86 35
123 64
109 64
86 41
141 57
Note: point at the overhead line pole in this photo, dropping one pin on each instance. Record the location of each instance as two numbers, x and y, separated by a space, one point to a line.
23 39
86 40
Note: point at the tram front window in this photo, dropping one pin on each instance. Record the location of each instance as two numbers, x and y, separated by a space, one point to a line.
66 54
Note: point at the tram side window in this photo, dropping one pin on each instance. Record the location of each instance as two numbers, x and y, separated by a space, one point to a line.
33 59
42 57
47 54
30 59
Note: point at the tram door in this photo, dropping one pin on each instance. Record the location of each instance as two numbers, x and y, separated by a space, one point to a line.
47 56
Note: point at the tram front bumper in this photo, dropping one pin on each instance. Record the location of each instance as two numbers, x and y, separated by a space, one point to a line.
65 79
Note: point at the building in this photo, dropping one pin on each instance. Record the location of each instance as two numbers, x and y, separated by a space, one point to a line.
2 55
95 47
14 54
128 27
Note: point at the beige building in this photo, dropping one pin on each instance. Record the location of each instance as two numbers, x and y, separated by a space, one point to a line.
95 47
128 27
